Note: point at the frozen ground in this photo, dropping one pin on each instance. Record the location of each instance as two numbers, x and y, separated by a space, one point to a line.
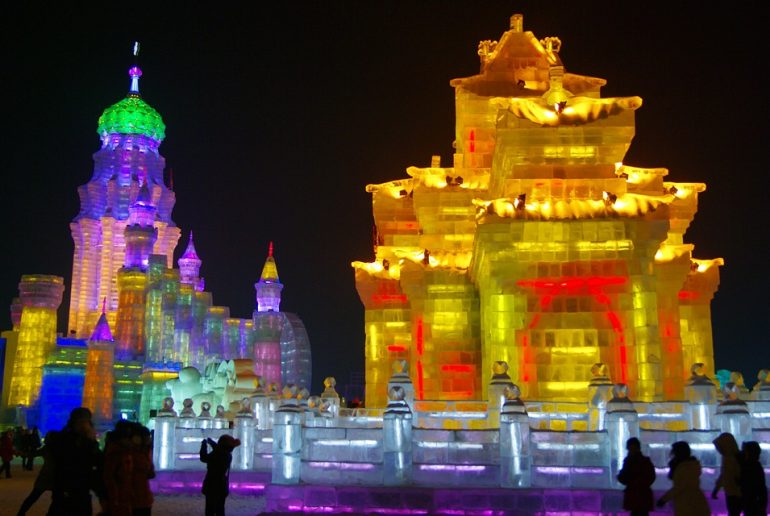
14 490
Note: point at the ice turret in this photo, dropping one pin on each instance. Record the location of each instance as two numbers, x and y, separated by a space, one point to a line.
190 266
269 287
97 390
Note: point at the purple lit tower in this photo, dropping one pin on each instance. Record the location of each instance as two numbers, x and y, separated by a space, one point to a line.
282 347
190 267
131 132
268 322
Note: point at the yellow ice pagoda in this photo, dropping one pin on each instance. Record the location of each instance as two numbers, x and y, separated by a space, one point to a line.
537 246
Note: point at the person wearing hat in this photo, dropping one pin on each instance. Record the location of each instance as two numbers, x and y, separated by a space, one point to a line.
216 485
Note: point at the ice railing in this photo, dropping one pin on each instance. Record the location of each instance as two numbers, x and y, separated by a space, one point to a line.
503 441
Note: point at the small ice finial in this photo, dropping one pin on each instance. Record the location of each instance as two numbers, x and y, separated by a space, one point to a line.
104 304
270 249
135 72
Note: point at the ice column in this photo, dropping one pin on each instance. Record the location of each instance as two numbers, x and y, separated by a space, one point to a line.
733 414
220 420
514 441
287 439
496 392
397 439
701 394
243 455
331 396
599 393
622 423
164 447
260 404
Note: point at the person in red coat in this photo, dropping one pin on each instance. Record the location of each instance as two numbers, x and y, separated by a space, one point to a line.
638 475
7 452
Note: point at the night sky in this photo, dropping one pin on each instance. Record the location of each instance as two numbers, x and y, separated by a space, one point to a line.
278 116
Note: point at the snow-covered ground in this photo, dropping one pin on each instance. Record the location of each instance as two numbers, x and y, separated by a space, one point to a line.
14 490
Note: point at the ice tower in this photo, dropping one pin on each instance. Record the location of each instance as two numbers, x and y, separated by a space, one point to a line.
99 379
537 246
127 163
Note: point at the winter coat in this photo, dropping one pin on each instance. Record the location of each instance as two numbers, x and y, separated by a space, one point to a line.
217 481
44 480
686 495
730 472
637 474
6 448
754 488
118 471
144 470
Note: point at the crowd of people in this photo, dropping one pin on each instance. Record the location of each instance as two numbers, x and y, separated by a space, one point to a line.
19 442
74 466
741 475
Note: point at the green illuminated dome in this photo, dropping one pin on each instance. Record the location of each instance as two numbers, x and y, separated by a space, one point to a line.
132 115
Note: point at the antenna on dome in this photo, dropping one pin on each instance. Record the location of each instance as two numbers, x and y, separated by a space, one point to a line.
135 72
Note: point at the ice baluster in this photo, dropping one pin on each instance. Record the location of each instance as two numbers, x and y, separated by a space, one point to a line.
515 461
287 439
733 414
701 394
496 393
244 426
164 448
397 439
622 424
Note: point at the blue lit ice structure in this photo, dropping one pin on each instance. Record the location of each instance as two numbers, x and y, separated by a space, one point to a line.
63 379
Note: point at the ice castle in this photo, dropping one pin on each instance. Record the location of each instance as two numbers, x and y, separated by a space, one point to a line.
528 309
139 329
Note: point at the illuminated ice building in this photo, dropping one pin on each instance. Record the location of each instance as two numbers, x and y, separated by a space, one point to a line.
135 321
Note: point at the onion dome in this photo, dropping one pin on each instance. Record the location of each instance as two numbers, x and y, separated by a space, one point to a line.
132 115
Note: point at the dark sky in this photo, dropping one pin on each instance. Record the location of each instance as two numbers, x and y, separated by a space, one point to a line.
278 115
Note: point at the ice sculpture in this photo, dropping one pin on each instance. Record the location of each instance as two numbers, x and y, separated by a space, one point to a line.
127 164
40 296
536 246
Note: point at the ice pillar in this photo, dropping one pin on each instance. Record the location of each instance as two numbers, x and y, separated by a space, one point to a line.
330 396
496 391
622 423
287 439
733 414
243 456
514 441
701 394
164 448
397 439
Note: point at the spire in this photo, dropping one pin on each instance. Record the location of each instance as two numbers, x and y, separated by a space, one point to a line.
135 72
270 270
189 253
144 197
269 286
102 329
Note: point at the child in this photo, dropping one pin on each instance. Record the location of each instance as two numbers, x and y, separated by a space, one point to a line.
216 485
